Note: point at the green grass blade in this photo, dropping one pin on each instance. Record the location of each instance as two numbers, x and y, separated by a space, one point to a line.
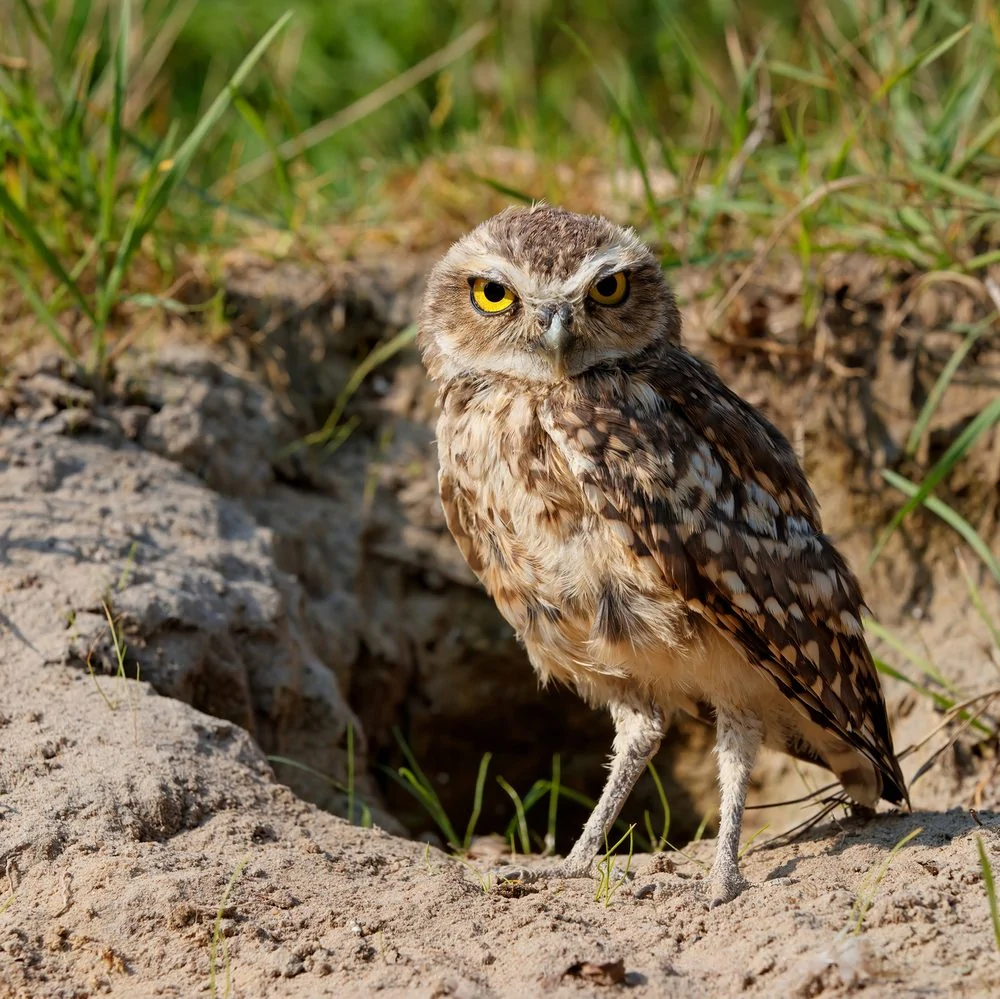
410 758
218 937
521 823
870 884
416 782
991 889
377 357
941 384
428 799
703 825
657 843
943 182
42 311
951 517
982 260
505 189
114 124
350 773
220 105
976 596
924 665
41 29
632 138
988 133
941 701
282 180
554 789
181 160
108 192
477 801
24 226
797 73
289 762
987 417
924 59
536 792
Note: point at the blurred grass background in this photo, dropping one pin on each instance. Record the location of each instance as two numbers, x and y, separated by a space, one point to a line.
727 113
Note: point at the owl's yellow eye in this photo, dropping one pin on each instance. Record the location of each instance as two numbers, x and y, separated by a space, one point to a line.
491 297
610 290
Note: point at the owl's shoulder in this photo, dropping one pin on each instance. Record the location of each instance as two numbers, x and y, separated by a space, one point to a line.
671 408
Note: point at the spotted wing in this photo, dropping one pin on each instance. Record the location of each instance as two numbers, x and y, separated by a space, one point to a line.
713 493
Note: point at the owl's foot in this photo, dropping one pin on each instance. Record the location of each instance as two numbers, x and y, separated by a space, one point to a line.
565 869
739 737
726 884
529 874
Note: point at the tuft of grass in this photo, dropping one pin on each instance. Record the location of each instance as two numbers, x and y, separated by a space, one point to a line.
869 885
541 788
415 781
88 257
553 788
121 650
984 421
485 879
218 937
991 889
607 881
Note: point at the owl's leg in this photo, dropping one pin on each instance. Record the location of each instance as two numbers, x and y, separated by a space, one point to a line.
737 742
637 738
638 732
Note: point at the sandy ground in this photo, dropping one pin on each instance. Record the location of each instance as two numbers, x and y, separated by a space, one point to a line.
271 605
121 828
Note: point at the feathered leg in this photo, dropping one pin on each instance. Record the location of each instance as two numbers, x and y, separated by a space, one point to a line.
738 740
638 732
637 738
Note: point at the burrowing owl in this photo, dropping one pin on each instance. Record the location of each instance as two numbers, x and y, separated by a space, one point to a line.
649 535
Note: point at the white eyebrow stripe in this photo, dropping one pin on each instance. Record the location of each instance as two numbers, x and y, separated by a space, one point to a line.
491 265
610 258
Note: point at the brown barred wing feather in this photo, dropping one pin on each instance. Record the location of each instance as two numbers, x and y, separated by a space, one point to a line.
715 496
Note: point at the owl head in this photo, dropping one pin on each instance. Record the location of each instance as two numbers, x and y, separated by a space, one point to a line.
542 294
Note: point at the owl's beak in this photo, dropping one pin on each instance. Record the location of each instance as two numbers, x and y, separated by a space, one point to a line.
555 340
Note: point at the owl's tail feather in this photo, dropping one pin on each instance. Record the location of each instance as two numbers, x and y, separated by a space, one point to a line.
866 781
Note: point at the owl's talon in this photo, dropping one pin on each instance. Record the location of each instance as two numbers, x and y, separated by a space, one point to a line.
514 873
726 885
543 872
